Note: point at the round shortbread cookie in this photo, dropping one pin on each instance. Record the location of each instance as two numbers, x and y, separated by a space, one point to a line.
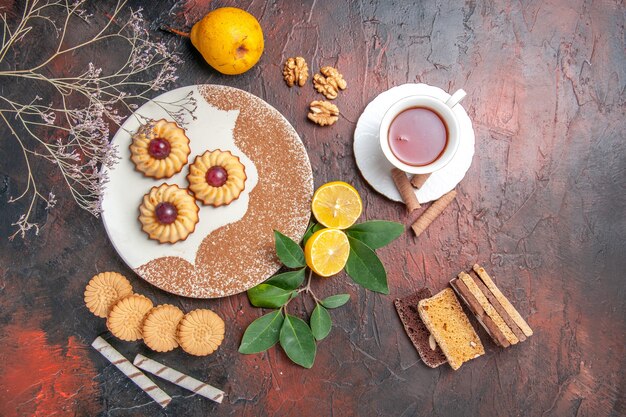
159 327
200 332
104 290
126 317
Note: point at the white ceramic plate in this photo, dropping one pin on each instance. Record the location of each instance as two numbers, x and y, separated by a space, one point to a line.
375 167
175 267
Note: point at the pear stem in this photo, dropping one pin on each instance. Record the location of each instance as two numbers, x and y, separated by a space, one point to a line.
175 31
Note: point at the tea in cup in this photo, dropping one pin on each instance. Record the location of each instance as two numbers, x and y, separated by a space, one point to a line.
420 134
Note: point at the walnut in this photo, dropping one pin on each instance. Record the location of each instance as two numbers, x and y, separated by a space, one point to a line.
329 83
296 71
324 113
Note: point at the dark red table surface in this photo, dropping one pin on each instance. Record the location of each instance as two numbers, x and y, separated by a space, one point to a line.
542 208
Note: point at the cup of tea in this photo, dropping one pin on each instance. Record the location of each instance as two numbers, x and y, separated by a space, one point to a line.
420 134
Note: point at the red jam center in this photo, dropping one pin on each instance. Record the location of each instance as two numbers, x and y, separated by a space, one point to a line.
216 176
166 213
159 148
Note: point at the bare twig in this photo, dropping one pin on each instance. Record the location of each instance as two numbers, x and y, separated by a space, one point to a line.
75 137
307 289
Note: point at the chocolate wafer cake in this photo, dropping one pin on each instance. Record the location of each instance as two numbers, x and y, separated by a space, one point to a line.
425 344
492 309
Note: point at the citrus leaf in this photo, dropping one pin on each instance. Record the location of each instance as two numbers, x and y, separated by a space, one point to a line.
335 301
287 280
288 251
320 322
365 268
262 333
376 233
314 228
318 227
309 232
297 341
268 296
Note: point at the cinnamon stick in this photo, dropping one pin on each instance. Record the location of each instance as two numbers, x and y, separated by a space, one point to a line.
418 180
482 317
432 212
406 189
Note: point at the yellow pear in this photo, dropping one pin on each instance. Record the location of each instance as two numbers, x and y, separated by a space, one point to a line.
229 39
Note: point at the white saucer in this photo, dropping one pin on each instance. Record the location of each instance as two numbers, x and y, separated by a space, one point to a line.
375 167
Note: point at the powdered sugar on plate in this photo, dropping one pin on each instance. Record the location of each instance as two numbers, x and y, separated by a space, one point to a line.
240 254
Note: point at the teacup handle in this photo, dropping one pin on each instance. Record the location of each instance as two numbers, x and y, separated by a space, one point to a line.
456 98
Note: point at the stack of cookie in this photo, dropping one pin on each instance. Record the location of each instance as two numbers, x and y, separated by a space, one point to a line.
441 331
163 328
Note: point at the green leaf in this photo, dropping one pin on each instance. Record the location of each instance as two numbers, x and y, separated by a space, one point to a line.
376 233
365 268
318 227
314 228
287 280
262 333
288 251
320 322
268 296
309 232
297 340
335 301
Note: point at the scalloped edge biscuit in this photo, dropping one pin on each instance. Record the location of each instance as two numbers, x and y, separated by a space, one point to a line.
168 166
200 332
160 326
126 317
187 213
228 192
104 290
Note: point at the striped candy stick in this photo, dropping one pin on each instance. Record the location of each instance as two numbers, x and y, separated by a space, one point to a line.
178 378
131 371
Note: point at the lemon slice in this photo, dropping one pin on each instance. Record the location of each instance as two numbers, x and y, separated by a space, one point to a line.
326 252
337 204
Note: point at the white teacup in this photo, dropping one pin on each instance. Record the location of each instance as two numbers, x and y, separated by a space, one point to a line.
444 110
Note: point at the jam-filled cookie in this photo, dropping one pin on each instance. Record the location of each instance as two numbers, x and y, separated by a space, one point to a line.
160 149
217 178
168 213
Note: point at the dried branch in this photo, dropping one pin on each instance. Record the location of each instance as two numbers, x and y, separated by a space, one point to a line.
72 130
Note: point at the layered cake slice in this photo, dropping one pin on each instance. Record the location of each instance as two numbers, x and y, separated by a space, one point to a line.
504 302
447 323
492 309
417 331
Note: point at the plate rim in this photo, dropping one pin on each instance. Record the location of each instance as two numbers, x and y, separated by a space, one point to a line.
106 170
